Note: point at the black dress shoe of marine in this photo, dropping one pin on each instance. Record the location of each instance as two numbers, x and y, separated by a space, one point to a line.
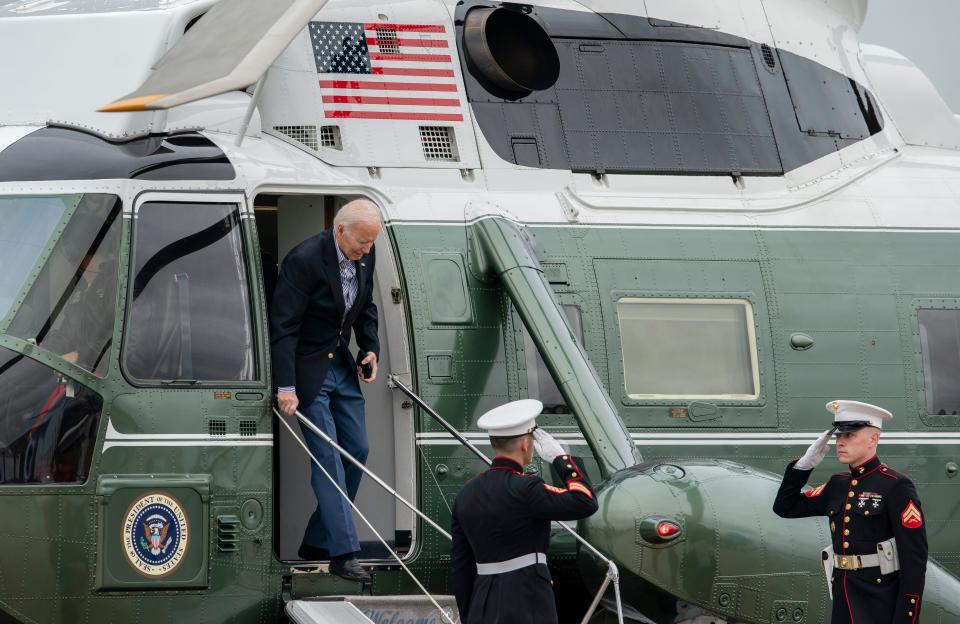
312 553
350 570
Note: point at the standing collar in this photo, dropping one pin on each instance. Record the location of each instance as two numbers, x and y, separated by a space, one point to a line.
501 463
868 466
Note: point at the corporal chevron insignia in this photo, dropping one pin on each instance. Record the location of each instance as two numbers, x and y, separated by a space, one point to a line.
911 517
815 491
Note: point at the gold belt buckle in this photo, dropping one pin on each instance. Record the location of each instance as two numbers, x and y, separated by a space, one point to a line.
850 562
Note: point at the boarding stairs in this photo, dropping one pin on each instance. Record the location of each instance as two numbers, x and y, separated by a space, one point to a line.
415 609
372 609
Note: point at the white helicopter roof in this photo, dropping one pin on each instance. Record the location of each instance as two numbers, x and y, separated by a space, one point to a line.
26 8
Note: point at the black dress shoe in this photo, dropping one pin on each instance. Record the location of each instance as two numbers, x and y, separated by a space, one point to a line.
350 570
312 553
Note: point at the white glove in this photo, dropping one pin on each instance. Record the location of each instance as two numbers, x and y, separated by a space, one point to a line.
815 454
546 446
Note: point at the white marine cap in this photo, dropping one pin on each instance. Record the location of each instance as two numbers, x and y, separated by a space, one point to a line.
853 415
512 419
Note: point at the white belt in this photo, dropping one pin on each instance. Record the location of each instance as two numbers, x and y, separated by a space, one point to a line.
856 562
502 567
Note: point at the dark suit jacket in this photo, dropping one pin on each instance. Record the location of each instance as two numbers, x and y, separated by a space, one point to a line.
305 318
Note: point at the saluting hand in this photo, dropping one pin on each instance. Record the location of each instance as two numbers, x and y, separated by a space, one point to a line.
815 454
546 446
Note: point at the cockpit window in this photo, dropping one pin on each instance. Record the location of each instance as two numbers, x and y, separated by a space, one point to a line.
70 307
48 424
688 348
28 223
189 316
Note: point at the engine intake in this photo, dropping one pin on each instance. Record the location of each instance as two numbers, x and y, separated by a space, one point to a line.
510 50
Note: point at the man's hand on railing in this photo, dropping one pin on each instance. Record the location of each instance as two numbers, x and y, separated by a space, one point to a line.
287 402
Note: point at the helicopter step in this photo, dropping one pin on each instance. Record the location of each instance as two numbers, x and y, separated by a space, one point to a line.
375 609
325 612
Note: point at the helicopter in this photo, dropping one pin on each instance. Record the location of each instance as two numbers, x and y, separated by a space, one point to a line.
683 227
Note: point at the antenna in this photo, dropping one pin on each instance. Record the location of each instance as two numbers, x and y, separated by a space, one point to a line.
247 116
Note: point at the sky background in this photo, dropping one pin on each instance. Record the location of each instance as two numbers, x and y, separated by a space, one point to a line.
925 31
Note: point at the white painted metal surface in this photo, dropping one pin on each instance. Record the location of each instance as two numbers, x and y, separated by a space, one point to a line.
325 612
74 57
918 110
880 182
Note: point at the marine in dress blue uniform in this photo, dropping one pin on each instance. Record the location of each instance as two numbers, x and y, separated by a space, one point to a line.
325 290
501 522
877 562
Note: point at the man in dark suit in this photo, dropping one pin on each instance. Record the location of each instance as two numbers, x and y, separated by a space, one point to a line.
325 289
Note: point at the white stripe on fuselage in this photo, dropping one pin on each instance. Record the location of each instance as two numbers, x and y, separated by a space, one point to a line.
115 438
894 438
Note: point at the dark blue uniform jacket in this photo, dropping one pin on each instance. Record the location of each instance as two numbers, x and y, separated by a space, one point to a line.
504 513
866 505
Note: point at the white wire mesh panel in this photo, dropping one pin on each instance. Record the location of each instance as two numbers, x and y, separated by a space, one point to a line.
439 143
305 135
330 137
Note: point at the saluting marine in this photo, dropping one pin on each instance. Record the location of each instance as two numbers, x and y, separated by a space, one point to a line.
878 561
501 522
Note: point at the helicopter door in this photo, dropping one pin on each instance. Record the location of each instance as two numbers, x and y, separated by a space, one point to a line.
284 221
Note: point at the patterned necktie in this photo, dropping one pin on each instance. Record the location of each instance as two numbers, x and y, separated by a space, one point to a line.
348 279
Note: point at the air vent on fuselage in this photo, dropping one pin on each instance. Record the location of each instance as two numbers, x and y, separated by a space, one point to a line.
248 428
217 427
768 56
330 137
305 135
387 40
439 143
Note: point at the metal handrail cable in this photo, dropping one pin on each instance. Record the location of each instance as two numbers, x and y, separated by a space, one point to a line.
353 460
356 509
612 575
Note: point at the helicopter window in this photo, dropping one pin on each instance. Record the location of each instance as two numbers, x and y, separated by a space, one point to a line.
70 307
688 348
940 347
48 425
540 383
28 224
189 312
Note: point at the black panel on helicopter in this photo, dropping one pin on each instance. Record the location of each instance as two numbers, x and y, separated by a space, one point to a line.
629 96
57 153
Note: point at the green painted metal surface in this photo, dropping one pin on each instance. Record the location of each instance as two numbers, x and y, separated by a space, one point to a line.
855 294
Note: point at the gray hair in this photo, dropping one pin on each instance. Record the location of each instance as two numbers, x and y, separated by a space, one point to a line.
357 211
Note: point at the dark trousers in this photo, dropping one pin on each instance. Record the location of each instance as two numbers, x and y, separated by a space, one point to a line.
337 411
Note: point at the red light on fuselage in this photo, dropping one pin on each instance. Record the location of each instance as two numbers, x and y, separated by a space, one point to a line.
667 529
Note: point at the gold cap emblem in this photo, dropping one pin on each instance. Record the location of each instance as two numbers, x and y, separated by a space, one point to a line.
835 406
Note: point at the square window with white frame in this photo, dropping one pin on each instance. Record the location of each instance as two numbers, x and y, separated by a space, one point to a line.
703 349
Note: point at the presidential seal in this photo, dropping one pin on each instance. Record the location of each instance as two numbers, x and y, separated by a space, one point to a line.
155 535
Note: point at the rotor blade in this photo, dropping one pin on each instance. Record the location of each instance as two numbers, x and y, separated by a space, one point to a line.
227 50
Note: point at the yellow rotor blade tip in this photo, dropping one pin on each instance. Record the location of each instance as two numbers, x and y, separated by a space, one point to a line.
131 104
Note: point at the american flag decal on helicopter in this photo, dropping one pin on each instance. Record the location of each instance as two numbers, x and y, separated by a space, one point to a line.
385 71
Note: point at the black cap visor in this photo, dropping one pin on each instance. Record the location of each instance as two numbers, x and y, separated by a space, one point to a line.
849 426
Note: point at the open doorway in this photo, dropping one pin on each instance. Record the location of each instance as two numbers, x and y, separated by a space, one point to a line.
284 221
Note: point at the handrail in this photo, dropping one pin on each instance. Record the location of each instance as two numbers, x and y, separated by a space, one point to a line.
613 573
343 452
353 505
